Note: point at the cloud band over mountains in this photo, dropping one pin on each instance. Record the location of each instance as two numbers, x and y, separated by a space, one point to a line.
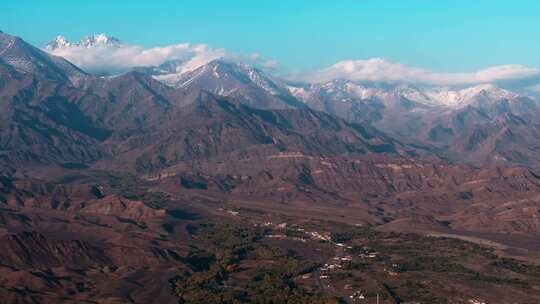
380 70
106 55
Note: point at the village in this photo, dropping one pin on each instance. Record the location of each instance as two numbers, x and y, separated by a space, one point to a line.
338 273
344 253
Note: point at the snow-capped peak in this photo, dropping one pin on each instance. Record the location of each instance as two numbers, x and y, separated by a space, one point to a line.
99 39
347 91
488 89
458 98
299 92
88 42
58 42
223 76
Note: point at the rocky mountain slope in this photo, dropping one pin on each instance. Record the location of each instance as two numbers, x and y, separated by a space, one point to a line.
240 81
25 58
116 189
137 119
480 125
476 125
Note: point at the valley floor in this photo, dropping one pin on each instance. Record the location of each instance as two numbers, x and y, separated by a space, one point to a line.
139 242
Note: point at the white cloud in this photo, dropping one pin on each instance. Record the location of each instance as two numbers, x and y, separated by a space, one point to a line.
380 70
255 56
95 54
535 88
270 64
114 58
103 54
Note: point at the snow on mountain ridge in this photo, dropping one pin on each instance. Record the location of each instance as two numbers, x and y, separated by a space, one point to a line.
99 39
58 42
460 98
26 58
220 70
180 72
347 91
87 42
432 96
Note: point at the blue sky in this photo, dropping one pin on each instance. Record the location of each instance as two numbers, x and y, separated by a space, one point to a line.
303 35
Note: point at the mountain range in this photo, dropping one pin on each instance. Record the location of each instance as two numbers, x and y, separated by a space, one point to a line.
226 117
114 171
480 125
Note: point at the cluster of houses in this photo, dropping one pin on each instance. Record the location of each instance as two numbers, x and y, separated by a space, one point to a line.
367 253
320 236
357 296
336 263
324 236
231 212
477 302
283 236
